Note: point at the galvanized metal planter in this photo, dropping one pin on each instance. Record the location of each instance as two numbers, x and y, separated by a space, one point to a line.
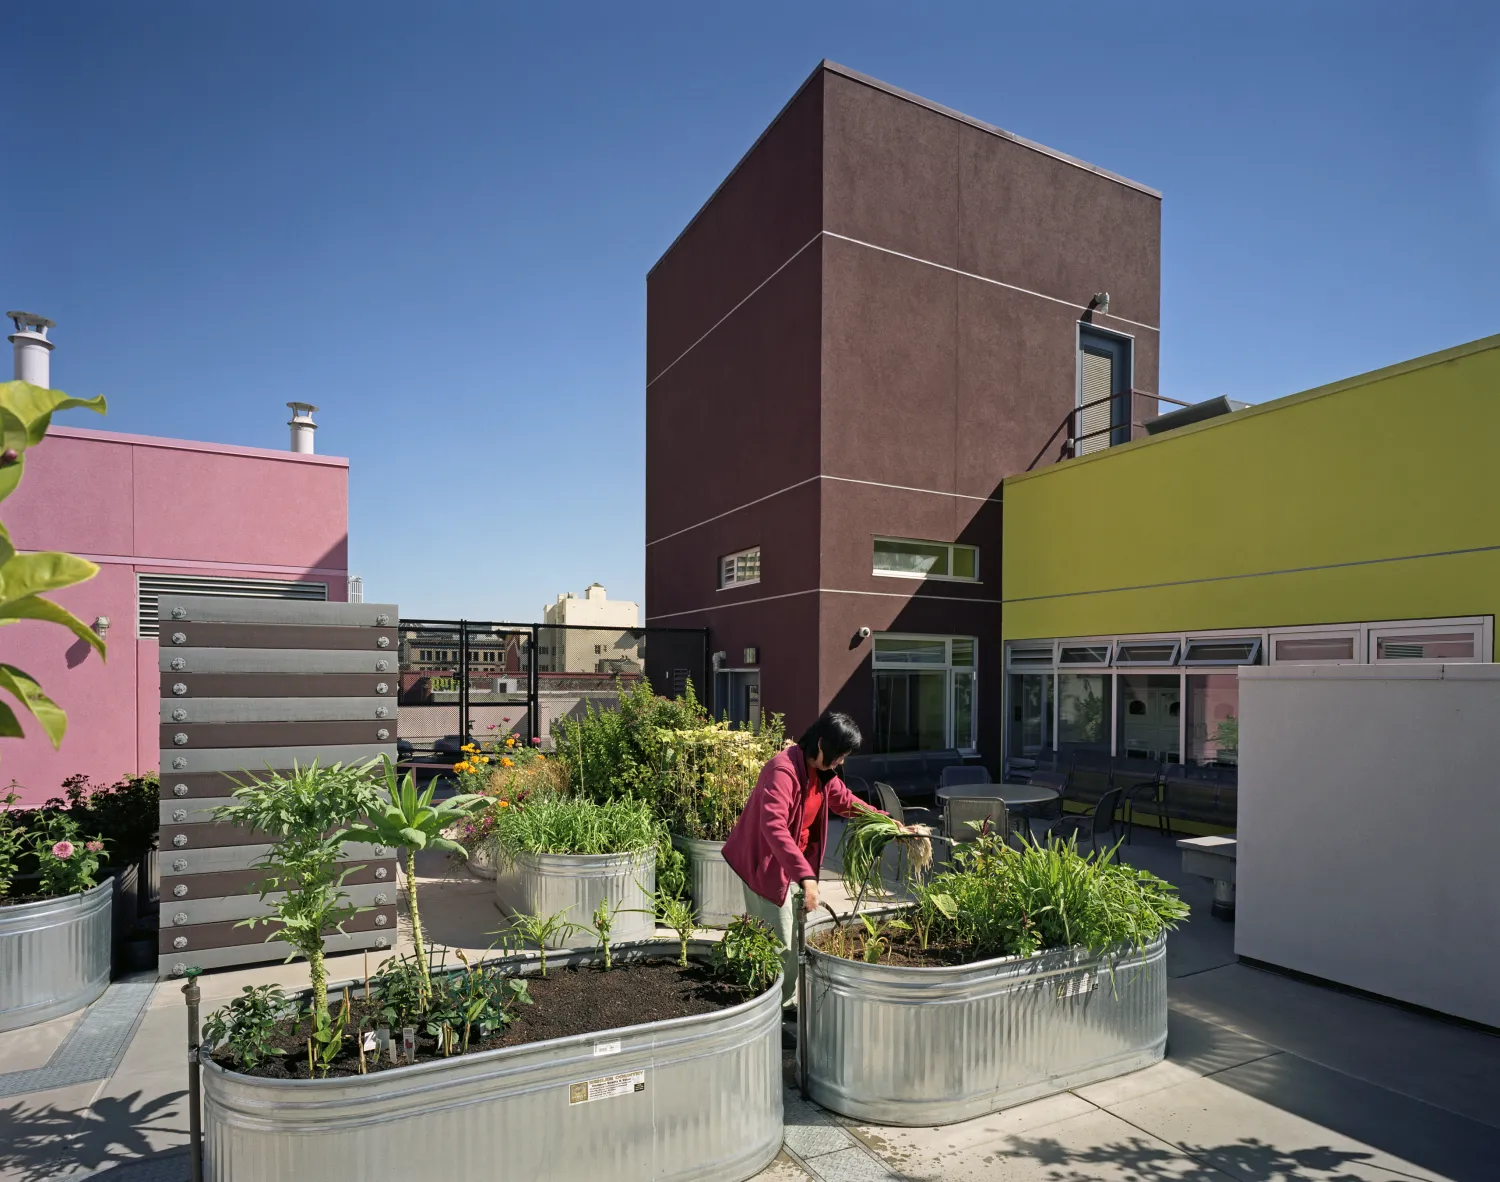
693 1098
920 1046
717 890
481 862
54 955
575 884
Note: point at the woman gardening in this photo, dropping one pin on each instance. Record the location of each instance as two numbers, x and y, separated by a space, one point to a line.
780 837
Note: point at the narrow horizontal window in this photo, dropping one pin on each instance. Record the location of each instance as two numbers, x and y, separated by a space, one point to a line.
1084 654
902 650
1314 648
740 568
1226 651
1154 652
1038 657
915 559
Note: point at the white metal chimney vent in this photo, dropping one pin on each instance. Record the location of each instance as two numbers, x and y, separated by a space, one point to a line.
33 349
302 427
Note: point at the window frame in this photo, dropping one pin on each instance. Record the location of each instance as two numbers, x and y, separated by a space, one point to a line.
1122 348
1377 633
734 557
970 744
899 574
1256 641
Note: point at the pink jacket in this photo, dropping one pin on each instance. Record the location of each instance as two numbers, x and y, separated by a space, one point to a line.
762 847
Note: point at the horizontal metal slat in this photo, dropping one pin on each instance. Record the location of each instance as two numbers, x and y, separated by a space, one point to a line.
196 785
181 911
287 709
237 759
177 862
180 634
172 964
276 660
303 686
222 883
216 610
190 736
228 933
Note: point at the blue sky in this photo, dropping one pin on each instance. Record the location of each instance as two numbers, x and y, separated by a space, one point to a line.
435 220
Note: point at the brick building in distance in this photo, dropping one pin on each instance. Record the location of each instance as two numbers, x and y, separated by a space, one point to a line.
884 310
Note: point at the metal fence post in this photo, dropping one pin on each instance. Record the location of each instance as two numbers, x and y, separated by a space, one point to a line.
463 680
193 994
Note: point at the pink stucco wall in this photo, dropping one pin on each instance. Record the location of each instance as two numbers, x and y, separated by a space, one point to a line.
134 504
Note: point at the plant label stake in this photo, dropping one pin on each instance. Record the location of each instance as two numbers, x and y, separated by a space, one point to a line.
409 1043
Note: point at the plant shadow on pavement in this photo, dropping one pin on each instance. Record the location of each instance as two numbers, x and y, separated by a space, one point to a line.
37 1143
1137 1159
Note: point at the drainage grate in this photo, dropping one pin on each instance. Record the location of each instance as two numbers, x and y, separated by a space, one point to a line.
94 1047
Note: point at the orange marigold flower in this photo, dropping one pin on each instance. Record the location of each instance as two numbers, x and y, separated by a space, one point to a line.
505 804
507 763
510 740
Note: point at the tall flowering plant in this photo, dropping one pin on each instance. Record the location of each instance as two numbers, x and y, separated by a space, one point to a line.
508 772
66 860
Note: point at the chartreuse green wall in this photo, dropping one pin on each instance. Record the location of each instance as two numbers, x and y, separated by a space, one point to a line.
1374 498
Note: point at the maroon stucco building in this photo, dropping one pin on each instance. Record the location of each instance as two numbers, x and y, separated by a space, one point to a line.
884 310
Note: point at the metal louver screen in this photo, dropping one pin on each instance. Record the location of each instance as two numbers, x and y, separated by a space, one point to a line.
1096 382
149 589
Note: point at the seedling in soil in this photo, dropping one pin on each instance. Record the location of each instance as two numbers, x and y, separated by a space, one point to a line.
604 923
681 917
539 929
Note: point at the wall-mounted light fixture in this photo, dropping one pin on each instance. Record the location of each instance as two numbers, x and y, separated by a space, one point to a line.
101 626
1100 302
859 637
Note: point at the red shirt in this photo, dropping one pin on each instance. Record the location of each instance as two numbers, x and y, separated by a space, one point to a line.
812 809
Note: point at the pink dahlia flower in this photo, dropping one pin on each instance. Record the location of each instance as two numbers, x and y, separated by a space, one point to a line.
63 849
94 847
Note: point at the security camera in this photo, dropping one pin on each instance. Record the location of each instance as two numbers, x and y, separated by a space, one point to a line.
864 634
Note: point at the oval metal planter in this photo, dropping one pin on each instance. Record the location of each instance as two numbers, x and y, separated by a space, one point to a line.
717 891
54 955
693 1098
575 884
481 862
932 1046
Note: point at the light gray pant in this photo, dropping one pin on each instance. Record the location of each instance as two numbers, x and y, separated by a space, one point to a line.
779 919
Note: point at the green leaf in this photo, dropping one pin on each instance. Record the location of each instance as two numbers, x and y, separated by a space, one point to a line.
6 548
32 407
414 838
47 712
33 607
22 575
10 726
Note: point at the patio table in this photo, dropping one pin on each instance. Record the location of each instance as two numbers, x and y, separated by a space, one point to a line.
1012 794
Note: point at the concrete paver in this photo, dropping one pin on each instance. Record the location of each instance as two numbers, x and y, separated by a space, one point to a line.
32 1046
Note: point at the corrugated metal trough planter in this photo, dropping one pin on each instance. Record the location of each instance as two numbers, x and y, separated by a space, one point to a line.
691 1098
931 1046
481 861
575 884
54 955
717 891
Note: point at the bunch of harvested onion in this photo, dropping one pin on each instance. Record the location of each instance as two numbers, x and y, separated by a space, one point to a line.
866 834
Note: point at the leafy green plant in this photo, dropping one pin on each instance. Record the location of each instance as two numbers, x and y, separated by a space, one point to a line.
14 840
308 812
749 955
246 1027
125 814
866 836
400 990
479 998
682 917
539 929
611 753
578 825
66 861
603 924
877 936
709 770
326 1039
999 901
671 870
25 414
410 821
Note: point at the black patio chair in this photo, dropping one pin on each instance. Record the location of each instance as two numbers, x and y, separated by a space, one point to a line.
962 813
1102 820
889 801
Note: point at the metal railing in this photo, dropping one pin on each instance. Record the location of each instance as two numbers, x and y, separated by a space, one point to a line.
1074 419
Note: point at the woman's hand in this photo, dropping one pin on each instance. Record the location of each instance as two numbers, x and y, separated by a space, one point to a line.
810 894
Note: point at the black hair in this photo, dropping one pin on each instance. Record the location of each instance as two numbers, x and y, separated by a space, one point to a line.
834 733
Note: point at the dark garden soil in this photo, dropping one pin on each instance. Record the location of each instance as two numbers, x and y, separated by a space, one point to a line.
903 950
566 1002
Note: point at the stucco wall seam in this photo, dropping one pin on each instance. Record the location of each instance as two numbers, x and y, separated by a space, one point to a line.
1260 574
824 591
936 492
1080 307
